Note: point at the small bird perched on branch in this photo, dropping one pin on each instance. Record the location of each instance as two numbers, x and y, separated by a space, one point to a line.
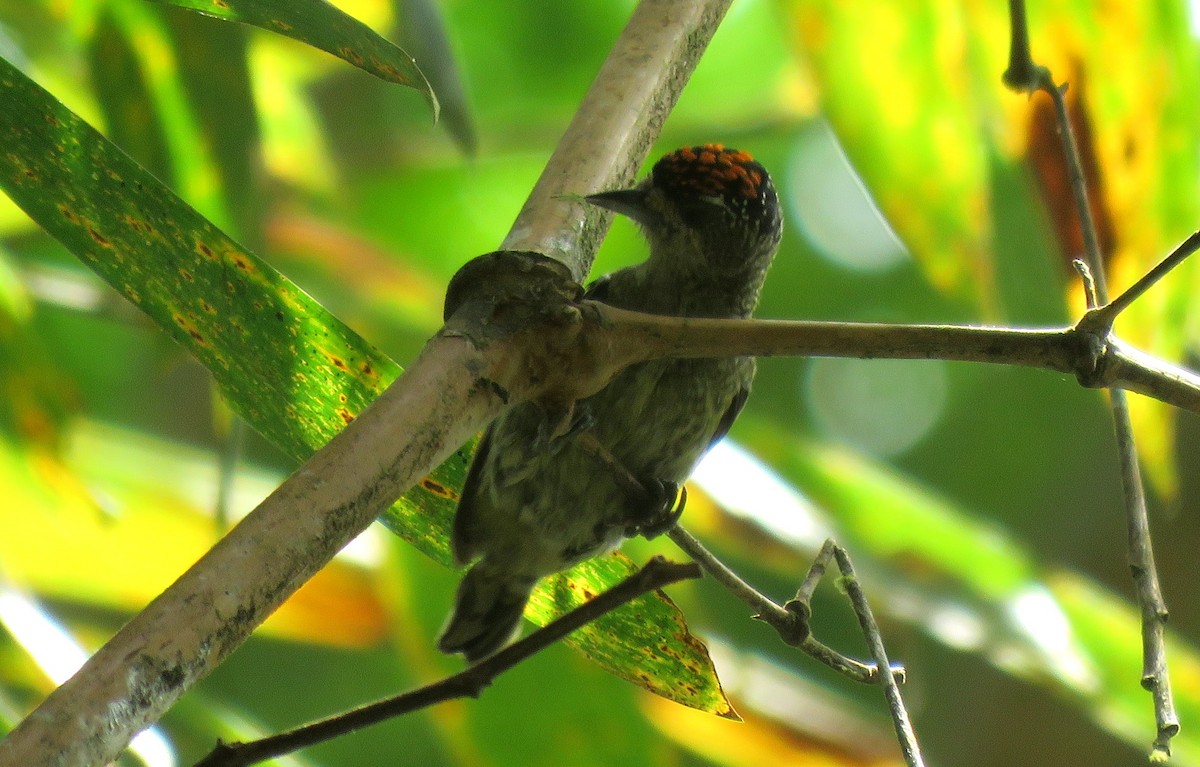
530 507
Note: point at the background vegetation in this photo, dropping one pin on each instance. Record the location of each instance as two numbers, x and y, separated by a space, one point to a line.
981 503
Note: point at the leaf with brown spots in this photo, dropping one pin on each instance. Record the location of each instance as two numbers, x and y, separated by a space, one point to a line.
647 642
285 364
323 26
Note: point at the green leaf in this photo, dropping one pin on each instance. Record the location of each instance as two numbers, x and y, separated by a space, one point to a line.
133 51
122 92
292 369
323 26
646 642
284 363
214 70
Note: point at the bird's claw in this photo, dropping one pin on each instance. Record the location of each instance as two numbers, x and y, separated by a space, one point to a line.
667 501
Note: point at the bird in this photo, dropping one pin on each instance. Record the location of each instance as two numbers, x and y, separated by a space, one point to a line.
532 506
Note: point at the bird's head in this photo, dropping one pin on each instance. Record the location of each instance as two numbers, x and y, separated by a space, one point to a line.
706 201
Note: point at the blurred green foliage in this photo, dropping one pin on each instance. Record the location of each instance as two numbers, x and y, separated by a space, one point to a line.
989 529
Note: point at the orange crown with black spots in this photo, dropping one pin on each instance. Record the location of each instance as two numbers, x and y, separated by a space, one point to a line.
715 171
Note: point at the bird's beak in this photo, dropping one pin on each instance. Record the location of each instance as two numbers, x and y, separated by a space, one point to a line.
627 202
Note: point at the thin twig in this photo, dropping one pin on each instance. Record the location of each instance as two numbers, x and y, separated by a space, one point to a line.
816 571
891 690
1155 677
792 623
792 627
634 336
657 573
1107 314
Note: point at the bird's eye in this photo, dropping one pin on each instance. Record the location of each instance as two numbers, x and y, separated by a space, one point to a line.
700 211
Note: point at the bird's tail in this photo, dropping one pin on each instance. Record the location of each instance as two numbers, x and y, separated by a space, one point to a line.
487 612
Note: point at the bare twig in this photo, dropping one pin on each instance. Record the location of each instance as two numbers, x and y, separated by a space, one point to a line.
471 682
1141 554
634 337
891 690
1105 315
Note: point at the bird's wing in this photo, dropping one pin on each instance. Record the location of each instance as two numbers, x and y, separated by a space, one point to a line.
464 540
597 290
730 415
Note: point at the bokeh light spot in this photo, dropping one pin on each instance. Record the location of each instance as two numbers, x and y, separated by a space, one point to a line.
833 208
882 407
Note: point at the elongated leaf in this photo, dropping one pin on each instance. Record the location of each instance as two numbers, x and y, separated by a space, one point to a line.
652 646
323 26
424 33
290 368
215 73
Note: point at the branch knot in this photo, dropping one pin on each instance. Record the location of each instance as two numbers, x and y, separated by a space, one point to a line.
527 313
502 291
1093 360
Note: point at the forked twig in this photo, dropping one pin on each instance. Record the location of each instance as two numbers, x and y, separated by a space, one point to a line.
1105 315
792 621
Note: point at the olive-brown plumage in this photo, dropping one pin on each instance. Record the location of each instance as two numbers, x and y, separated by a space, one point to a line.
528 508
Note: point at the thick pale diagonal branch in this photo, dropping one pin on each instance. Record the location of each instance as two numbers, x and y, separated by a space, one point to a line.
185 632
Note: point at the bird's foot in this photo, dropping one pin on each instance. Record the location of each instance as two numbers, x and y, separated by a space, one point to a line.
662 512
